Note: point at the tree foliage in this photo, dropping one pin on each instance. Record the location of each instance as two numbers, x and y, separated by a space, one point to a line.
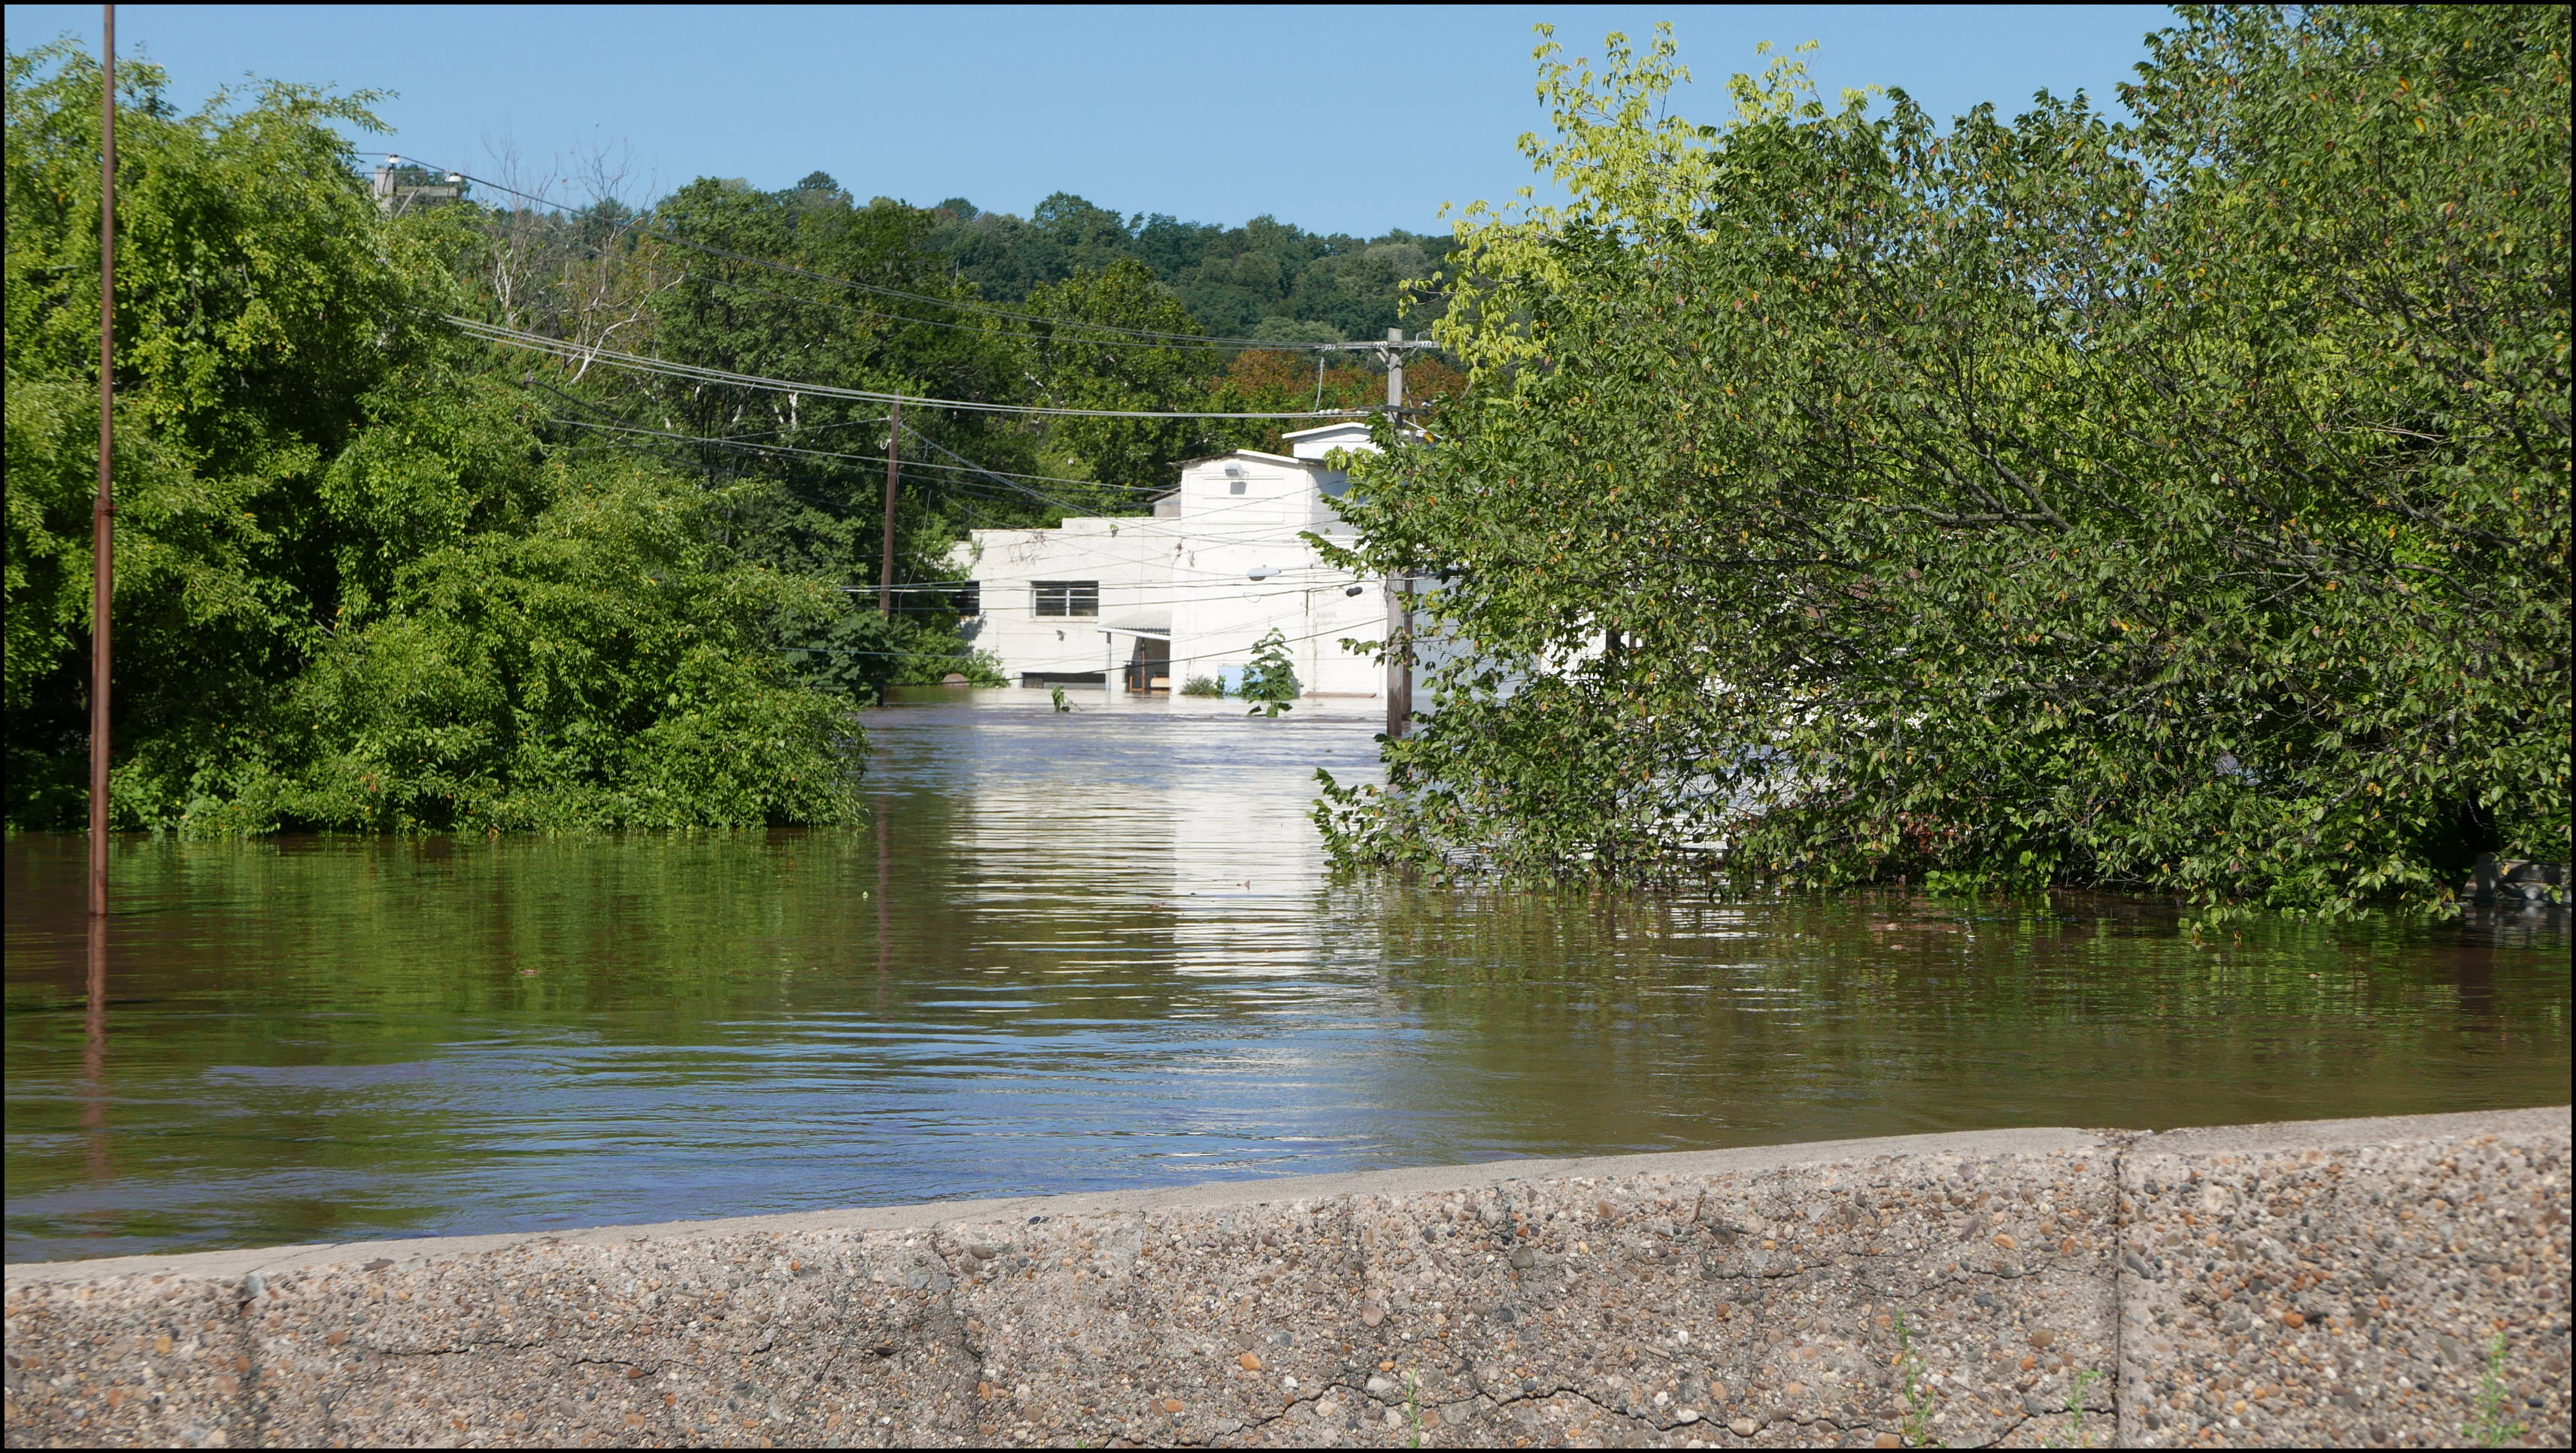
807 284
376 576
1270 678
354 588
1264 279
1086 368
2177 505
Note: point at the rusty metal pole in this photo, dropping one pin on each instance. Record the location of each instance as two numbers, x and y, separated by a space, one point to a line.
102 527
885 566
93 1117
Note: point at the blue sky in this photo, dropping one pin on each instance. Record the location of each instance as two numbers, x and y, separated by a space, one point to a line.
1356 120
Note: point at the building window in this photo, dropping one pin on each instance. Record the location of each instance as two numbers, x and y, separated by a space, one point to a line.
1068 597
967 599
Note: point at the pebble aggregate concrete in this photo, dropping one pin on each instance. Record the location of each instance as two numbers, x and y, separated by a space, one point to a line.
2326 1284
2020 1288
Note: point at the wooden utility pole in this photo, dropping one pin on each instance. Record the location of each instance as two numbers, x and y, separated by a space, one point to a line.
102 516
1399 657
885 565
1399 595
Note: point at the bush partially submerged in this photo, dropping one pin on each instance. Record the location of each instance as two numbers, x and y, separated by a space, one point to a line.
353 590
2179 506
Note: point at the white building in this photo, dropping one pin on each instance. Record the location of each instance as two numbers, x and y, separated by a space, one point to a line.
1145 603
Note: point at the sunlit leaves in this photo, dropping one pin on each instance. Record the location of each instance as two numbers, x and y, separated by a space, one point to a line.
1851 498
353 590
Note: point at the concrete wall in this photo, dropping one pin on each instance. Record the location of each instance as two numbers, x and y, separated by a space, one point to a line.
2321 1283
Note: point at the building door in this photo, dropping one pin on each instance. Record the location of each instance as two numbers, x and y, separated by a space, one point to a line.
1150 669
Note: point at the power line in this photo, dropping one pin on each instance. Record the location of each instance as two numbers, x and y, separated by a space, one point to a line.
1160 339
749 446
1143 524
971 466
965 466
1218 581
952 497
574 352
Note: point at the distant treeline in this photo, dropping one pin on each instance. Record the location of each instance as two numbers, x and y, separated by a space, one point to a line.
1265 279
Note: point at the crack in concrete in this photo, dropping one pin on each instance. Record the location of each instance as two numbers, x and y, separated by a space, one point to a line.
932 1324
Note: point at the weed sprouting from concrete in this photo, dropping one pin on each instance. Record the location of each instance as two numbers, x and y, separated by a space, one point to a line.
2494 1429
2075 1404
1413 1408
1918 1398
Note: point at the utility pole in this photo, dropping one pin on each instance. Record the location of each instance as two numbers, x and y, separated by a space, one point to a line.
102 515
885 565
1391 353
1399 595
1399 657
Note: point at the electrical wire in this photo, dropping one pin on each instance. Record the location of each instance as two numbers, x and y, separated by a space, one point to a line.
1217 580
952 492
1073 508
1139 523
748 445
967 463
1030 338
638 363
1037 495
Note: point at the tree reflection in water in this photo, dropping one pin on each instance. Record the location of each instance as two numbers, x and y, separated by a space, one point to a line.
1095 950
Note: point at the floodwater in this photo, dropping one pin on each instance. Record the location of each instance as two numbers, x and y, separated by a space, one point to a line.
1096 950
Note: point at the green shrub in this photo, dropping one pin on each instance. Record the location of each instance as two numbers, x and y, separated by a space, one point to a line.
1271 679
353 589
1845 498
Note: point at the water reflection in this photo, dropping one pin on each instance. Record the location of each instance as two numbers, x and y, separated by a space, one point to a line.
1099 950
93 1116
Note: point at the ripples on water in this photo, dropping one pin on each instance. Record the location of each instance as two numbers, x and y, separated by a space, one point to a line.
1100 950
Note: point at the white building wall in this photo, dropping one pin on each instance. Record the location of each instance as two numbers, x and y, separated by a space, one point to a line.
1130 558
1190 570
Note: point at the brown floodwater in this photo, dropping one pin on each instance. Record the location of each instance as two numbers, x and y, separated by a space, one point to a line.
1102 949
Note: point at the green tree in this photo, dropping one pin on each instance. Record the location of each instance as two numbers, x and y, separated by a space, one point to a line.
1230 279
1270 679
353 589
786 285
1086 368
2179 506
